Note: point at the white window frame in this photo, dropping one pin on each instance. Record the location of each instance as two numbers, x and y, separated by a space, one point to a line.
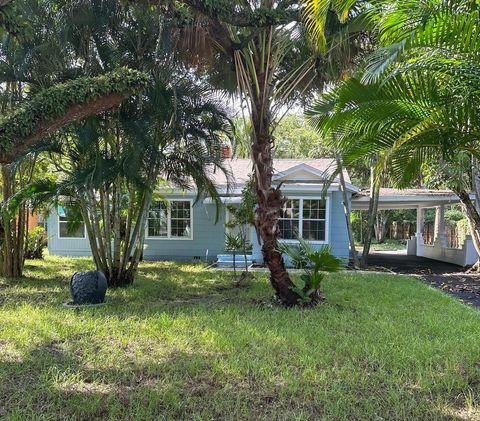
300 220
169 237
70 238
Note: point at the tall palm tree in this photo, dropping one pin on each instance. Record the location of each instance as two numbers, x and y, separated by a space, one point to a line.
418 99
263 48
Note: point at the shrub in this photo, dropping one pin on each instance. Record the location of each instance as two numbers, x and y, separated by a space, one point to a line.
36 243
313 262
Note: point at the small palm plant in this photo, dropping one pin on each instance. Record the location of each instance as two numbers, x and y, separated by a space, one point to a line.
313 262
233 243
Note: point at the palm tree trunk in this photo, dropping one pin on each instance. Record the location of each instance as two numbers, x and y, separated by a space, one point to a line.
270 200
117 269
12 256
473 217
372 212
381 221
347 212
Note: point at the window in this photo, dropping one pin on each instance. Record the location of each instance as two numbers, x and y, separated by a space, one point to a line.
313 218
289 221
304 217
68 226
172 219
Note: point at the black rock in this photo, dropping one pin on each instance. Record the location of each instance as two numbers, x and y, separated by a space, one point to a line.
88 287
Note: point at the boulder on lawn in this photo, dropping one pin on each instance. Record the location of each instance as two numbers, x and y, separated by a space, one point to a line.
88 287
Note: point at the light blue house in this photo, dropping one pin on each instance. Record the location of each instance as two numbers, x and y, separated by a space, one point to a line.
185 229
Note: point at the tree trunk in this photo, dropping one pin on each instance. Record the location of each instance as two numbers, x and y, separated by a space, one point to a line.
270 201
13 231
372 211
381 221
473 217
347 212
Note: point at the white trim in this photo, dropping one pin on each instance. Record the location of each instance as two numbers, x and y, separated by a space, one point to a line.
70 238
300 221
169 223
299 167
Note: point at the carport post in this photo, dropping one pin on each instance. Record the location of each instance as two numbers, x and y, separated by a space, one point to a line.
440 236
419 231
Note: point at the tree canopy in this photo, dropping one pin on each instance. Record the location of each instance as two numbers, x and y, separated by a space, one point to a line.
62 104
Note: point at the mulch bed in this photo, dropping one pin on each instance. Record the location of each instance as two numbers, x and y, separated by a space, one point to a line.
463 286
445 276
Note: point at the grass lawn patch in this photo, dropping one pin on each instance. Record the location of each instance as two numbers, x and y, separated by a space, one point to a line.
182 343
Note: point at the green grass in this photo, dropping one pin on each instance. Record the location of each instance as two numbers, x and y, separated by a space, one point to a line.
183 344
388 245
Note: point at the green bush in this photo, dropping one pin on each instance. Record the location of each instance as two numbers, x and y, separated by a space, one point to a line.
36 243
313 262
463 229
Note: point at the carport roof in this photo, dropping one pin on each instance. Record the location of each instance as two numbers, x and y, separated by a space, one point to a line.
405 198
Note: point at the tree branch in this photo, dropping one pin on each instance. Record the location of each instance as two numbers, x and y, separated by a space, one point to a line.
72 113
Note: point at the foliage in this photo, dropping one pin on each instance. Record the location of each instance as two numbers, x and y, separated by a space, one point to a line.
36 243
270 66
170 128
313 262
236 243
242 218
243 214
454 215
11 20
463 229
294 138
418 98
52 102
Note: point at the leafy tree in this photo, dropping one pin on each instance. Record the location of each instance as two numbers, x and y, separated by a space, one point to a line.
171 133
33 58
242 218
417 101
109 168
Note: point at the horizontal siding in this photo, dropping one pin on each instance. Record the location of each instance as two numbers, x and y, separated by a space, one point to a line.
208 238
64 246
338 227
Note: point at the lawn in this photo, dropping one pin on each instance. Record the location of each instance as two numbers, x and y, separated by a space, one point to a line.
387 245
182 343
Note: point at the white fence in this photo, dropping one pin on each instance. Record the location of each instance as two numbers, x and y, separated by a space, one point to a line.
462 256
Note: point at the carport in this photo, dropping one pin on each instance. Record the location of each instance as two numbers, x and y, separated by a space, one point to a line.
421 199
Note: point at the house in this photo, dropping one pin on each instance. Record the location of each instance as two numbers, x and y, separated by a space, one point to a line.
188 229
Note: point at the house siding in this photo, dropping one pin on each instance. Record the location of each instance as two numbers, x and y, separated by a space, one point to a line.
64 246
207 241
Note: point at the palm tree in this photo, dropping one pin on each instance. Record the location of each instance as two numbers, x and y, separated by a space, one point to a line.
418 99
109 168
262 47
37 98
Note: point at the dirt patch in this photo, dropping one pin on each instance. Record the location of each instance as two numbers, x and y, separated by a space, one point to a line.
445 276
465 287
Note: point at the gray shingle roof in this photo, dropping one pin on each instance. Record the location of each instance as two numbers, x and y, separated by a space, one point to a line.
242 168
